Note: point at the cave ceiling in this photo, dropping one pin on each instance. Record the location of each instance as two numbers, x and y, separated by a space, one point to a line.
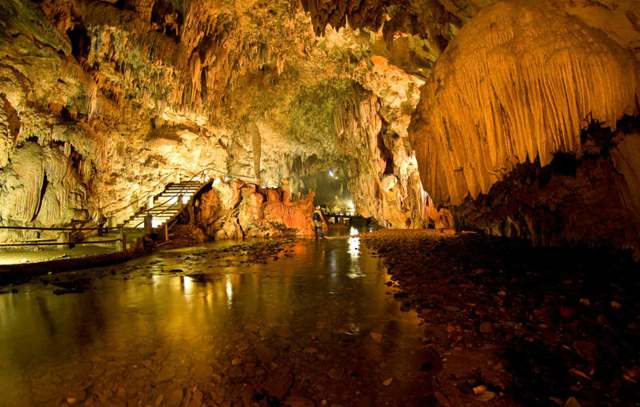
131 91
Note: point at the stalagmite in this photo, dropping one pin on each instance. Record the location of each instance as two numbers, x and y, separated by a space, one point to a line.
516 85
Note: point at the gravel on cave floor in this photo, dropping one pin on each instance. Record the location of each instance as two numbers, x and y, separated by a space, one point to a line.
520 325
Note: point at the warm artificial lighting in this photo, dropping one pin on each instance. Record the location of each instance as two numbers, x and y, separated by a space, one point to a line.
351 206
216 181
331 174
185 199
7 258
354 246
229 290
187 284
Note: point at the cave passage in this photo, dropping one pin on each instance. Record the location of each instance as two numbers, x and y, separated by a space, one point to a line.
331 189
314 203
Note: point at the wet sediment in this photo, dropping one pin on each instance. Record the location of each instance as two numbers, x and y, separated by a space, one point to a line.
515 325
282 322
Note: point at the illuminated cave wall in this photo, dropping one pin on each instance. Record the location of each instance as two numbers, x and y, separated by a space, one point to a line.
525 127
103 102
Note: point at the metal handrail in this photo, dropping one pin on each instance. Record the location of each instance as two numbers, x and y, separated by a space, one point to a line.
50 242
173 196
63 229
58 243
122 238
146 197
150 194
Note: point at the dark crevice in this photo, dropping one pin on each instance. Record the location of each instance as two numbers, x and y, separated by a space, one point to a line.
31 139
166 18
80 42
125 5
550 205
12 115
564 164
387 155
203 84
65 115
43 190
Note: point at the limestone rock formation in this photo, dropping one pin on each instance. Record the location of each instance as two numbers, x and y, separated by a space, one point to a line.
105 102
238 210
518 83
516 129
145 92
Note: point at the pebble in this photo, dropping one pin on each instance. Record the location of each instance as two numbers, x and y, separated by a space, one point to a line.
572 402
296 401
487 396
479 389
174 399
486 327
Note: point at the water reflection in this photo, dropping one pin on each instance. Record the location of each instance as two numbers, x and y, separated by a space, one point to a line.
122 334
229 290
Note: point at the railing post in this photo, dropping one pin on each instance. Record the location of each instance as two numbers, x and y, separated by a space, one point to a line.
123 239
148 224
165 230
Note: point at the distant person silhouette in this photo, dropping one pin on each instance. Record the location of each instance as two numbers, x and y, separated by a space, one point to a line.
318 223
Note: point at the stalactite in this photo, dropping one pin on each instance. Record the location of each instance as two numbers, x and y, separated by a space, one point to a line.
25 183
517 84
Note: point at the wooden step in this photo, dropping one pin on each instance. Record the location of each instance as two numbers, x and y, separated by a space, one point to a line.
163 216
167 199
187 189
163 209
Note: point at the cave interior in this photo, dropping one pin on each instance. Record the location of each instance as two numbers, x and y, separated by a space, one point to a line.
462 142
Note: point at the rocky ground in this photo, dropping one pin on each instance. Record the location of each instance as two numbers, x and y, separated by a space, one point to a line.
512 325
504 325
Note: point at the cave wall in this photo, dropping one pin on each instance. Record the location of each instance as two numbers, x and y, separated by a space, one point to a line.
239 210
139 93
517 84
123 97
503 130
590 200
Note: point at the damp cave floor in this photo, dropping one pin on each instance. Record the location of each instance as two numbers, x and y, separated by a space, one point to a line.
386 319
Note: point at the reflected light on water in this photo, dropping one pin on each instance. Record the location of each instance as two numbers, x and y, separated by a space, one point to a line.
155 279
354 252
229 289
187 285
354 243
147 318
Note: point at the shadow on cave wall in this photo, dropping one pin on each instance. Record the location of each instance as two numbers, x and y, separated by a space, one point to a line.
574 200
80 42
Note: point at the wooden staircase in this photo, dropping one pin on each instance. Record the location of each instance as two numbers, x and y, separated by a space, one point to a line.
165 208
167 205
